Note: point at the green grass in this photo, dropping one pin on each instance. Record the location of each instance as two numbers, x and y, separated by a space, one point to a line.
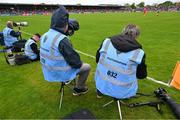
25 94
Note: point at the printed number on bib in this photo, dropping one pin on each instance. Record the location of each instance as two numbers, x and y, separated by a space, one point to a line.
112 74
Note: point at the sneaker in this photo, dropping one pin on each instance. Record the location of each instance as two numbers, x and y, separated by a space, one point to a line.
78 91
99 94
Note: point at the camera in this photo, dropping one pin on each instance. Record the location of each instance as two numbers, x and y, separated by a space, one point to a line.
162 94
22 24
73 25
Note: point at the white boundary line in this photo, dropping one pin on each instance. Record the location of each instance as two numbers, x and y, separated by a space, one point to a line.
91 56
86 54
157 81
26 33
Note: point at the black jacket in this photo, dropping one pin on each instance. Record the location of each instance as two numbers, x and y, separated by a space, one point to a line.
125 43
58 20
15 34
69 54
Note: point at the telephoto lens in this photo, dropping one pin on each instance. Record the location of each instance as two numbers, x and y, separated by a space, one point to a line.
17 24
162 94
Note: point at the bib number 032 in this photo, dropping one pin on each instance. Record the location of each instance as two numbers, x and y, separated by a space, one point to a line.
112 74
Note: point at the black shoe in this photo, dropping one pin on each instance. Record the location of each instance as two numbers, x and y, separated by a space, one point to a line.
78 91
99 94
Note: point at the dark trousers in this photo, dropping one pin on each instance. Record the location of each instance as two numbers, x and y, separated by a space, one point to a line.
19 45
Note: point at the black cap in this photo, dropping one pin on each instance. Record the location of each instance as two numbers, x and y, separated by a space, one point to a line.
59 18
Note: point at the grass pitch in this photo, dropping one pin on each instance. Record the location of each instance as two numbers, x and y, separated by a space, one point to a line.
24 94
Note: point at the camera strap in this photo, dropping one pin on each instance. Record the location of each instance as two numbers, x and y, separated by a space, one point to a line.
155 104
143 94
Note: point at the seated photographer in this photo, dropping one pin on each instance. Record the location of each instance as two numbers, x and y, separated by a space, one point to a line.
31 49
60 62
30 54
120 61
11 37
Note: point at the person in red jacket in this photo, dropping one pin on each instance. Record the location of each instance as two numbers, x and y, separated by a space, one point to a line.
145 11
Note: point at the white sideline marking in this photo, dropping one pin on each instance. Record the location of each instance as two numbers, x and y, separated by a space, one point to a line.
26 33
149 78
86 54
157 81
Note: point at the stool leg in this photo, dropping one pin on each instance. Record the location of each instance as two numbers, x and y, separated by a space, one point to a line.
119 108
62 86
60 102
62 93
108 103
74 82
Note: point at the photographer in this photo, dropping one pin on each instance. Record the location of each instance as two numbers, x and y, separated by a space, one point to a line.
31 50
11 37
60 62
121 61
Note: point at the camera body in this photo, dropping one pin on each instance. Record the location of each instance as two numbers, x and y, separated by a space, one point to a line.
18 24
161 93
73 25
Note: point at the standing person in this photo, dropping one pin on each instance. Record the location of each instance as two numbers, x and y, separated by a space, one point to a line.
31 49
120 61
60 62
145 11
157 12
